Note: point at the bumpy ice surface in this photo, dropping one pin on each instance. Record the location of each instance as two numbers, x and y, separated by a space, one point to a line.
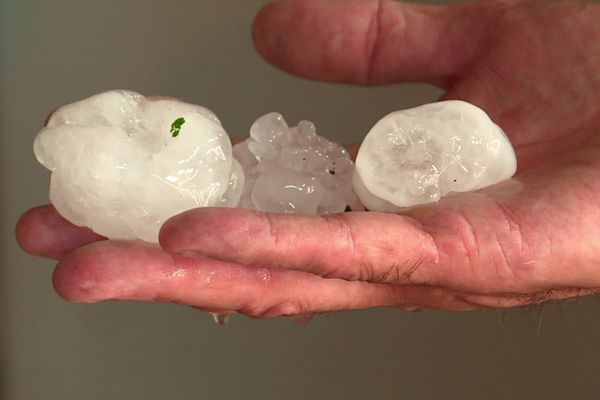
293 170
417 156
120 166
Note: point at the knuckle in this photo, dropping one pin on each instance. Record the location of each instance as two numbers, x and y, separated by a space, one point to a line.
484 243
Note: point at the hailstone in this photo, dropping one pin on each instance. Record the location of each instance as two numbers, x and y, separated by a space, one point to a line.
418 156
122 164
293 170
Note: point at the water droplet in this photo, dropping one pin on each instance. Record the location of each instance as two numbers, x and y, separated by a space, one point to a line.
221 319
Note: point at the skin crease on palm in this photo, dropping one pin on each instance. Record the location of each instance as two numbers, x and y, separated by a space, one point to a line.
534 66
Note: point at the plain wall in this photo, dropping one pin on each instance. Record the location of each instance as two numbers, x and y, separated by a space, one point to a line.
55 52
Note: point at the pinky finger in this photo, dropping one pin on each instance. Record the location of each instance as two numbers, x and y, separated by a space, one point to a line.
117 270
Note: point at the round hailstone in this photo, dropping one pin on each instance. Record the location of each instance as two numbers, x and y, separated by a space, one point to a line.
417 156
122 164
293 170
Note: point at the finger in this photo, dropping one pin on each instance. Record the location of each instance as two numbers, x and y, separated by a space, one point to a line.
371 41
42 232
140 271
353 150
353 246
471 243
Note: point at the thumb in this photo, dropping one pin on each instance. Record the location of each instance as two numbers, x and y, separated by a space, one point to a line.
372 41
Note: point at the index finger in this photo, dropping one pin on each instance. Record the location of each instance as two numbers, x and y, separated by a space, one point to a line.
351 246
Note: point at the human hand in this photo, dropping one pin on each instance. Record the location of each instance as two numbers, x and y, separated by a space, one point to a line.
534 66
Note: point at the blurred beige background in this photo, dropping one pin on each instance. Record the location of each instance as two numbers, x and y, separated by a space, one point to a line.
54 52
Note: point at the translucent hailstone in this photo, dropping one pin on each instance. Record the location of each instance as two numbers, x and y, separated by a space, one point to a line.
122 164
417 156
293 170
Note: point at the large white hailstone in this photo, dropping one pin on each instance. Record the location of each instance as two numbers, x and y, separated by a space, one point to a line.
418 156
122 164
293 170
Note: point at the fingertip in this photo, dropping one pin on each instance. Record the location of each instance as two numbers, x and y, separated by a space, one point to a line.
35 232
322 40
205 228
43 232
123 270
260 30
23 230
73 278
173 231
271 25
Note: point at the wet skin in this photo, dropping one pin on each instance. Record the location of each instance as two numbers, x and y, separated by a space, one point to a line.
534 66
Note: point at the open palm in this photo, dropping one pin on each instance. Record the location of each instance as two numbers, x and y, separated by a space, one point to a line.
534 66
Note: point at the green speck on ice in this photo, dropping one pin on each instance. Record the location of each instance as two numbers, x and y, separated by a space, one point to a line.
176 126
